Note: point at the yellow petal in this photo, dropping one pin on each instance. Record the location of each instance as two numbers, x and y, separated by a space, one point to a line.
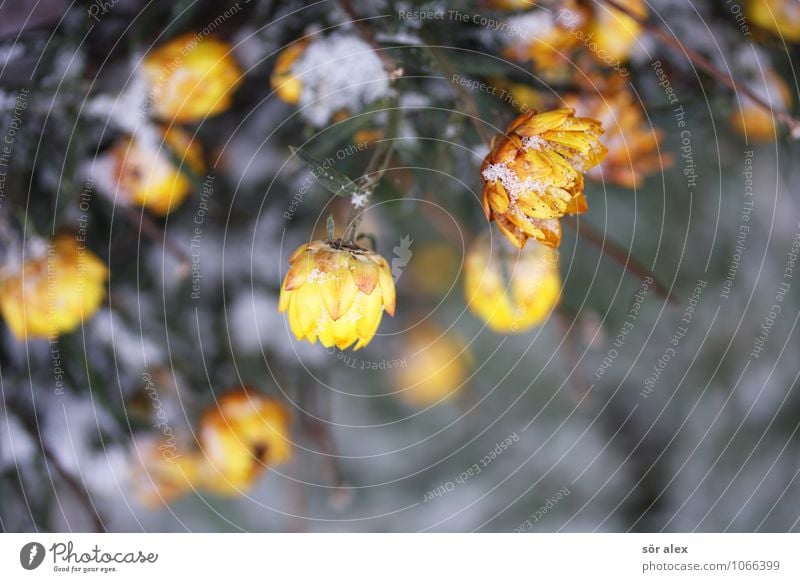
387 288
365 274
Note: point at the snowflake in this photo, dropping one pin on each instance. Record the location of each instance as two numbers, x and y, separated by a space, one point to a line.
511 182
534 143
316 276
359 199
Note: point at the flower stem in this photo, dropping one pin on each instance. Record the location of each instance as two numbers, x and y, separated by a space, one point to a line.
376 168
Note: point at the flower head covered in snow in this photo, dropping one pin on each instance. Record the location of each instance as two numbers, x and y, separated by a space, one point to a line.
337 292
338 72
533 174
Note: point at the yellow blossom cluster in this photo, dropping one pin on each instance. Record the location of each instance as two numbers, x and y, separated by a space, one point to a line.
239 437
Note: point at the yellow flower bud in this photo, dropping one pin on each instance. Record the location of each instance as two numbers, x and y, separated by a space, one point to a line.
286 85
337 293
191 77
780 17
239 437
511 290
532 174
53 294
437 366
146 175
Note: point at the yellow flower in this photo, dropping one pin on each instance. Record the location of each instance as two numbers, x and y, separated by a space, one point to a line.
146 176
611 34
287 85
753 121
191 77
532 174
550 41
511 290
436 368
239 437
53 294
160 474
336 292
633 144
781 17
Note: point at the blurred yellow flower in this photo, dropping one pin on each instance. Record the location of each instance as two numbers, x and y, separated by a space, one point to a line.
191 77
511 290
753 121
337 293
633 144
146 176
533 173
53 294
160 474
287 85
550 41
436 368
611 35
781 17
239 437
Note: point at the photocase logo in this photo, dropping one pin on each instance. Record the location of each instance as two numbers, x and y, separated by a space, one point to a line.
402 254
31 555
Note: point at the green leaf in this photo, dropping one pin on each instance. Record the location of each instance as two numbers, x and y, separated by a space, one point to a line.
331 227
333 181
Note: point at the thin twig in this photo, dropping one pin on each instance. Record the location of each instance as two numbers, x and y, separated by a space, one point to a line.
617 253
703 63
376 168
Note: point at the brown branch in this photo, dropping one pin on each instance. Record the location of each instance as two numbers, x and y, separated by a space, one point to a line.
703 63
617 253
